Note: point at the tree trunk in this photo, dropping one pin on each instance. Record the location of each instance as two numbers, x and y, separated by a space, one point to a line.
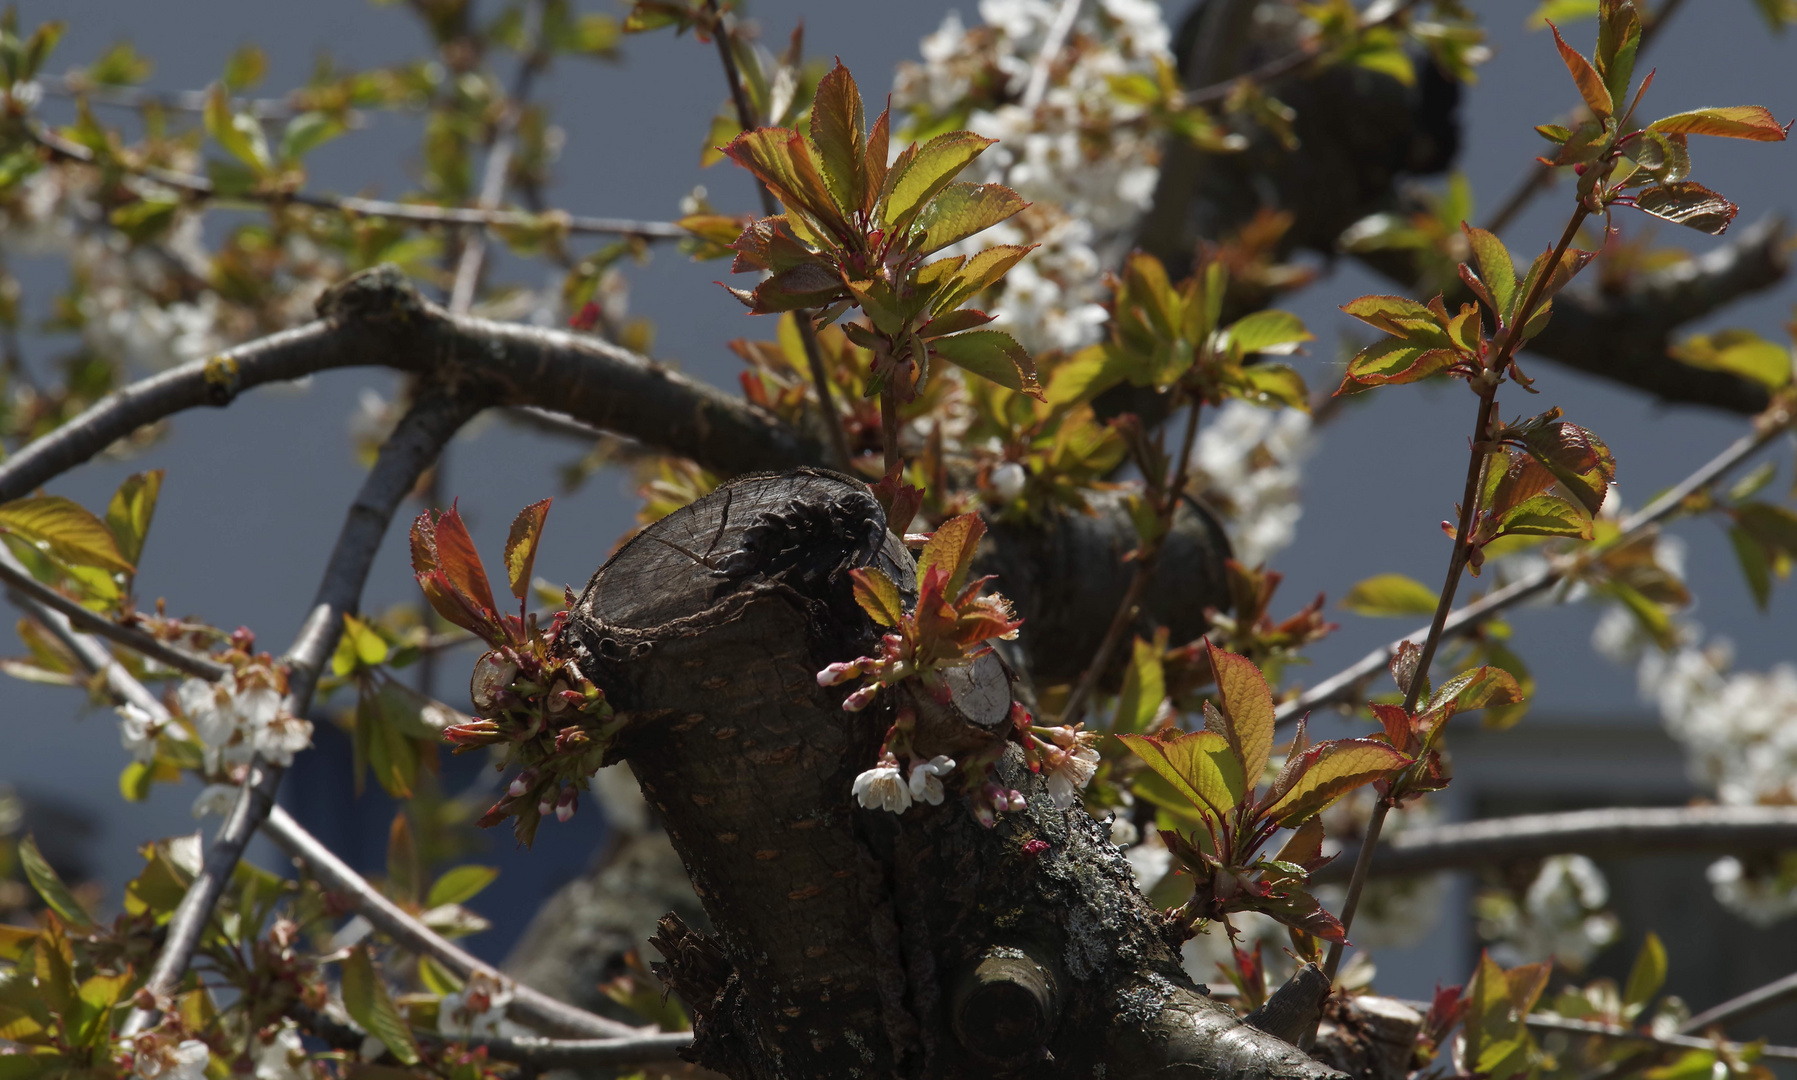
851 942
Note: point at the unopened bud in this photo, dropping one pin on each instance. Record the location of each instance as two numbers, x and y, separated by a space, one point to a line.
860 699
568 803
522 783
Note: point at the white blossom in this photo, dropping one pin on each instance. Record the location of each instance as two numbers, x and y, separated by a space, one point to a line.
1560 916
1761 899
1248 465
238 718
477 1011
281 1056
1070 773
137 731
1008 480
215 799
926 779
883 787
158 1061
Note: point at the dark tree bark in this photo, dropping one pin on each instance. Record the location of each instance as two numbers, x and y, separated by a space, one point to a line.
851 942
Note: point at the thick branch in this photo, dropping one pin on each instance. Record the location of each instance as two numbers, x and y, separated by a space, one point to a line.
528 1007
377 319
1609 833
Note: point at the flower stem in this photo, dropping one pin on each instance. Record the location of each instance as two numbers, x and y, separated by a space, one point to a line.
889 428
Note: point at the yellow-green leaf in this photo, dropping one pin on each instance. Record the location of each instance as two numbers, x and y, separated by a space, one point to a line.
1247 704
1752 122
1590 83
366 1000
128 515
1330 770
878 596
65 529
1648 973
935 164
1738 352
50 886
1200 765
1390 594
990 354
1144 687
521 546
964 210
1268 331
460 885
951 548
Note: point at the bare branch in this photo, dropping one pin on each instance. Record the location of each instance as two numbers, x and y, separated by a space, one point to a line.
21 582
403 458
77 85
377 319
528 1006
1607 833
419 213
1345 684
1056 37
1682 1041
1751 1003
633 1049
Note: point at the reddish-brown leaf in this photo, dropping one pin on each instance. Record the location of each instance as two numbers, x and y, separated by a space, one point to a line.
1590 83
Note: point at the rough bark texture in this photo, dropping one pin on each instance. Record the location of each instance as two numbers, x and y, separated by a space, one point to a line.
1068 576
851 942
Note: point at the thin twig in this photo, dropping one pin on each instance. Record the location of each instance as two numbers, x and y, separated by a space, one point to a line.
531 1007
1612 832
1342 685
1682 1041
1540 176
20 581
635 1049
403 458
499 164
1490 371
1752 1002
201 187
191 101
1285 65
1146 561
748 120
1052 42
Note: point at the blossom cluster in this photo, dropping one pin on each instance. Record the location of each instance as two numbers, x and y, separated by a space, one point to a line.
1086 158
1560 916
236 718
1739 731
1248 465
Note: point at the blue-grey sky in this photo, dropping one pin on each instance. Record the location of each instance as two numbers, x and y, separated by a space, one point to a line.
255 493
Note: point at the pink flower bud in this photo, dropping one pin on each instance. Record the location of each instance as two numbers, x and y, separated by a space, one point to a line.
1035 848
859 700
568 803
547 802
522 783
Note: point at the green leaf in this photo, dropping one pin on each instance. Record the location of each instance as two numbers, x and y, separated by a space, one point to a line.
129 514
1733 122
781 159
1750 485
1773 526
838 131
1247 706
1390 594
951 547
521 546
978 274
1396 315
964 210
1689 204
1268 331
1585 77
1756 566
1200 765
1579 460
1648 973
1495 268
366 1000
1738 352
990 354
1088 373
246 68
1329 770
913 182
460 885
238 133
878 596
50 886
1545 515
1275 384
1393 362
1618 40
1561 11
1144 688
66 530
307 132
360 646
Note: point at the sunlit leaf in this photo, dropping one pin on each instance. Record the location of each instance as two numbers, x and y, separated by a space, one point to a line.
1247 704
935 164
1329 770
129 514
1390 594
65 529
1268 331
1144 688
878 596
521 546
1545 515
1738 352
1733 122
837 131
1200 765
964 210
1590 83
1648 974
951 547
366 1000
990 354
49 885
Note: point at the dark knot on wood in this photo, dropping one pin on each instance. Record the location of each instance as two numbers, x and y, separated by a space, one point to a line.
1005 1007
378 294
1291 1013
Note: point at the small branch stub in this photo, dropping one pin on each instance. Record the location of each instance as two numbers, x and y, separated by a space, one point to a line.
1005 1007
